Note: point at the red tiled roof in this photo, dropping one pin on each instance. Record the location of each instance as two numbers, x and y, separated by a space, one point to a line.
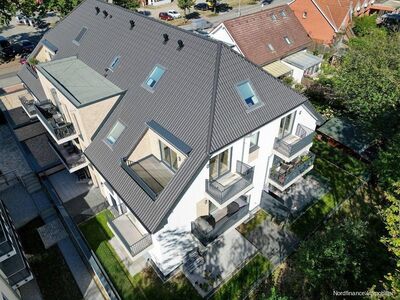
335 10
253 33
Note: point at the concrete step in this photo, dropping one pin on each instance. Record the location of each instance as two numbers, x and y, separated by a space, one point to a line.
31 182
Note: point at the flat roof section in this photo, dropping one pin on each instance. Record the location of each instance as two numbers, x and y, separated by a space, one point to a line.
302 60
77 81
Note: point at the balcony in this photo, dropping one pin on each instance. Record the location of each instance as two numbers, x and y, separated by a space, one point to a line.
208 228
294 143
150 173
134 240
6 244
72 157
284 174
232 184
28 105
55 123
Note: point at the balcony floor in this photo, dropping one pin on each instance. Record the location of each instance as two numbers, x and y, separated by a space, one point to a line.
226 180
155 173
291 139
127 230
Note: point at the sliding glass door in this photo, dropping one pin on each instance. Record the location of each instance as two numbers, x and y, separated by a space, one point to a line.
169 156
220 164
286 125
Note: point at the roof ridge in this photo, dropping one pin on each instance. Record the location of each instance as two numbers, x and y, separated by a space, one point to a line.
257 12
214 96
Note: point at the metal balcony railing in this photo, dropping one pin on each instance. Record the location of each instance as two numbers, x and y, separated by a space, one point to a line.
305 137
28 105
284 173
71 156
222 193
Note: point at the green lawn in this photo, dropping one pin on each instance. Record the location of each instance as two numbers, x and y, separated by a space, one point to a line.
240 283
145 285
48 266
258 218
343 174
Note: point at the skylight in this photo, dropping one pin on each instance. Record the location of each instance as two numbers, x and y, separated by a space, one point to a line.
115 63
115 133
283 13
271 47
273 17
247 94
80 35
154 77
287 40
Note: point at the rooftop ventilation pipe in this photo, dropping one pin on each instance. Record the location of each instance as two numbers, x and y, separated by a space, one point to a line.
180 44
132 24
105 13
166 38
97 10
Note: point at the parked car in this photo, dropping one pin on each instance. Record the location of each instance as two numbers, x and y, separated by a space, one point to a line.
144 12
266 2
7 51
40 24
165 16
27 46
202 6
174 14
223 7
200 24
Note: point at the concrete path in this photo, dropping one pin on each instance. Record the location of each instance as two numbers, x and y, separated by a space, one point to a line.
273 241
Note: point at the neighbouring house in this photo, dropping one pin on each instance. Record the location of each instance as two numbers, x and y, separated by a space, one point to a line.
326 20
183 134
14 267
273 39
154 2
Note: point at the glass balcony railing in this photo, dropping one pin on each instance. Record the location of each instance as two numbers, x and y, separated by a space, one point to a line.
294 143
70 155
223 191
284 173
55 123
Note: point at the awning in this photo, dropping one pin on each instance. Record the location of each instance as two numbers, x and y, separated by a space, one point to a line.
303 60
277 69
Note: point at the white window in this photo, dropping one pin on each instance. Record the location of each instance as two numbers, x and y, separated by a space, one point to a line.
154 77
247 94
287 40
115 63
115 133
270 47
254 141
80 35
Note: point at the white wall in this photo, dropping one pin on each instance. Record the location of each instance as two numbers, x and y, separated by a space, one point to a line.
220 33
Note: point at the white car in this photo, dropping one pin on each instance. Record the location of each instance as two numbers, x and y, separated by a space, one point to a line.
174 14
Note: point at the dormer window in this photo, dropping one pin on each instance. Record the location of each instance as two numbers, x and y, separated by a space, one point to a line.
115 133
304 15
248 95
80 35
154 77
287 40
115 63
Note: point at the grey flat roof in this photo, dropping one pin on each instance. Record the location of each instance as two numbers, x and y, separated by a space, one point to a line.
302 60
195 100
75 78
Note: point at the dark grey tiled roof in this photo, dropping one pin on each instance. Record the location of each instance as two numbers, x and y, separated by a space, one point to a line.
32 82
195 100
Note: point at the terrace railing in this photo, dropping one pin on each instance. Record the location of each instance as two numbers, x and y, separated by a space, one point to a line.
223 193
306 136
28 105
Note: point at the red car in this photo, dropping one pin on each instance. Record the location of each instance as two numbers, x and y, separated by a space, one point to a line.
165 16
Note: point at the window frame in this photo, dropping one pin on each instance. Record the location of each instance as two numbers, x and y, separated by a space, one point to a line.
168 163
80 34
153 88
254 147
258 104
270 47
106 139
281 133
287 40
116 62
218 162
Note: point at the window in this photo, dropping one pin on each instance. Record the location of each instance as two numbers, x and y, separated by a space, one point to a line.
220 164
154 77
283 13
285 128
304 15
247 94
287 40
169 156
271 47
80 35
273 17
254 141
115 132
115 63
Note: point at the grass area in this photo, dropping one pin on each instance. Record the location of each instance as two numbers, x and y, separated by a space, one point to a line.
48 266
258 218
235 3
239 285
342 172
145 285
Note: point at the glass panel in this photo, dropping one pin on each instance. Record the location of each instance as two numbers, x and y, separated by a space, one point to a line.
115 63
115 133
174 160
154 76
224 162
286 125
254 140
281 126
80 34
247 94
213 168
165 154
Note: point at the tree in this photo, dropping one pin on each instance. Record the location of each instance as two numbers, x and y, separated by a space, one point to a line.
368 80
365 25
186 4
391 216
338 265
129 4
7 11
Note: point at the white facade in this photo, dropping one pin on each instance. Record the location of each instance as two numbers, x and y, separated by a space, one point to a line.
175 240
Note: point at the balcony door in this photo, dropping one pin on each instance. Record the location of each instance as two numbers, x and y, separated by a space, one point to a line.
286 126
169 156
220 164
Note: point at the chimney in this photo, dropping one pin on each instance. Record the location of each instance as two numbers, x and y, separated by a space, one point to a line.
180 44
132 24
166 38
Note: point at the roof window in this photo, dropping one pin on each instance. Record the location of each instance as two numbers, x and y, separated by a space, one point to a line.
270 47
287 40
115 63
154 77
247 94
283 13
115 133
80 35
273 17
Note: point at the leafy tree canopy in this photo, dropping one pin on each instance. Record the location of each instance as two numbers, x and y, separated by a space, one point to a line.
365 25
129 4
186 4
